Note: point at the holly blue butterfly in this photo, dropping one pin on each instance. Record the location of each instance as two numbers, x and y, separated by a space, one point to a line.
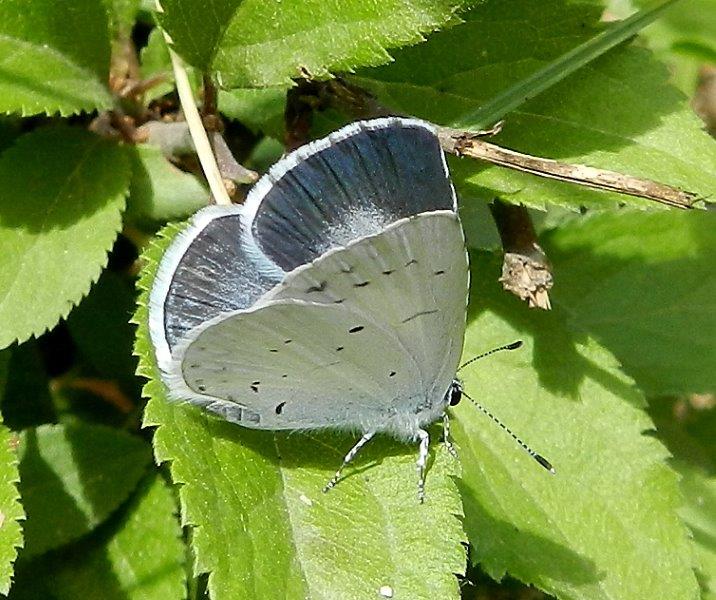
335 297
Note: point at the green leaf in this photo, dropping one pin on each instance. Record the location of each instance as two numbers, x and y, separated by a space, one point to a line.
73 477
53 59
60 211
155 62
160 191
11 511
139 558
260 43
259 109
606 525
616 113
263 529
643 285
563 66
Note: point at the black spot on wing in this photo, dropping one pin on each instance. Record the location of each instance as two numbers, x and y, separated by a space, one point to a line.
317 288
361 284
356 329
419 314
279 408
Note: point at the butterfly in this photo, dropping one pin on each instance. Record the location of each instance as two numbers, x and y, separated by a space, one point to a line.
333 298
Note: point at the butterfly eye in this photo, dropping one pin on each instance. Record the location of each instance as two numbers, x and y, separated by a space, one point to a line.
455 392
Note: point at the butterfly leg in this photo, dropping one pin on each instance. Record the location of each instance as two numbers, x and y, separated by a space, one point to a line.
348 458
422 462
449 446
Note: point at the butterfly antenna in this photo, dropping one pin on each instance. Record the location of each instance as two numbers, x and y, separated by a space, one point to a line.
512 346
538 457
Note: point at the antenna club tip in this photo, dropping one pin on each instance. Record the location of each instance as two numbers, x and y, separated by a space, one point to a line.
514 345
545 463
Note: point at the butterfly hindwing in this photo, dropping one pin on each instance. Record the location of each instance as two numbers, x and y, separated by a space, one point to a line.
295 365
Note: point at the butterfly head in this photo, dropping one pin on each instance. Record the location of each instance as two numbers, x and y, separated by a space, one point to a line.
454 393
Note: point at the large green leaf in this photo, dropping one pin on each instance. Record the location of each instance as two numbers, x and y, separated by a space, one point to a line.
53 59
644 286
258 43
263 529
606 525
11 511
60 209
73 477
617 113
139 558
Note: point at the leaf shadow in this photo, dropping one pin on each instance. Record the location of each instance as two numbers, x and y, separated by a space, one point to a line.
35 565
36 475
552 561
570 118
559 365
323 449
650 313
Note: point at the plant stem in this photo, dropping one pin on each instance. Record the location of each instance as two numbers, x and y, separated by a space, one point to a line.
196 127
462 143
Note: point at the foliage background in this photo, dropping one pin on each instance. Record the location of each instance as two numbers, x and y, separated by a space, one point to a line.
102 498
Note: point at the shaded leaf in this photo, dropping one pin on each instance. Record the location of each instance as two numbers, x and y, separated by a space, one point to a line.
11 510
60 211
686 426
699 513
260 43
159 191
155 62
643 285
684 39
263 529
100 327
259 109
53 59
616 113
26 401
606 525
139 558
73 477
